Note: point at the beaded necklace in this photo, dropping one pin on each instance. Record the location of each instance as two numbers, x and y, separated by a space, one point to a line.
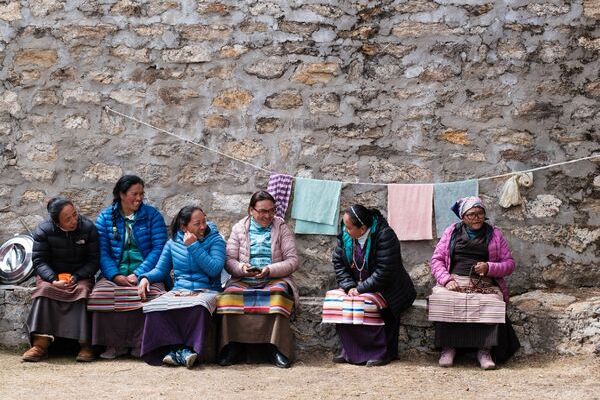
355 264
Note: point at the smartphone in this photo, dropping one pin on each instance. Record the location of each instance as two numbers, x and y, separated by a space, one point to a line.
253 269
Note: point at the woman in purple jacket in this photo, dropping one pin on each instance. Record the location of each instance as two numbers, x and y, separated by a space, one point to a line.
473 249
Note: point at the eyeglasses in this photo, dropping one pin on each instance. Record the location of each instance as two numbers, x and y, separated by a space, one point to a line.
474 215
264 212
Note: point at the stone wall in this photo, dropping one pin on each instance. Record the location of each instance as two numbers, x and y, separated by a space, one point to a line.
389 91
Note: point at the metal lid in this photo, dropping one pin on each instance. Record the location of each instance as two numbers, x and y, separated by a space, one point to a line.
16 263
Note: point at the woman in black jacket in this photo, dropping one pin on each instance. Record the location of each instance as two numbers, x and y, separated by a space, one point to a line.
368 263
65 259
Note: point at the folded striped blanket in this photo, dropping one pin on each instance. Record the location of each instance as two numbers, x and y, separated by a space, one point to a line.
177 299
364 309
107 296
450 306
273 297
80 291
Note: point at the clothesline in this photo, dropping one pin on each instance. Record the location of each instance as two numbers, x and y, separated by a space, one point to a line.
109 109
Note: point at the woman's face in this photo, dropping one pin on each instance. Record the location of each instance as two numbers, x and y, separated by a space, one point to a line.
132 199
197 224
474 218
354 231
67 218
263 212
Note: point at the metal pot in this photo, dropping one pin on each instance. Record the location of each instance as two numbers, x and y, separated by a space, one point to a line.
16 263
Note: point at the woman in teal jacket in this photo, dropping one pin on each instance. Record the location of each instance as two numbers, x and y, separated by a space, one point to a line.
176 322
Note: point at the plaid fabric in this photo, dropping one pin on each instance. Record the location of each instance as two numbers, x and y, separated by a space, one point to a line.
107 296
260 245
280 187
240 297
260 250
177 299
450 306
340 308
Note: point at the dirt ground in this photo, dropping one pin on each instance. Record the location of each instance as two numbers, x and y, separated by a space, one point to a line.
418 377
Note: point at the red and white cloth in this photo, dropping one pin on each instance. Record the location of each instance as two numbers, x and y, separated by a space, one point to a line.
364 309
451 306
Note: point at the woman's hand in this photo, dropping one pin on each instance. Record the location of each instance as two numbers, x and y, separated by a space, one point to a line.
481 268
132 279
60 284
189 238
264 273
245 267
122 280
143 288
452 285
353 292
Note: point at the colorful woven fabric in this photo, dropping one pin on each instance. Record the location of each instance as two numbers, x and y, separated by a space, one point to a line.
280 187
450 306
107 296
177 299
340 308
240 297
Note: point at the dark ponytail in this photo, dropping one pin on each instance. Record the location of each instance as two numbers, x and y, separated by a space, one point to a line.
183 218
122 186
360 215
55 206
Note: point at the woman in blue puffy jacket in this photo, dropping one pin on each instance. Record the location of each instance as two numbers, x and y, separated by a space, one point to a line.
132 235
176 322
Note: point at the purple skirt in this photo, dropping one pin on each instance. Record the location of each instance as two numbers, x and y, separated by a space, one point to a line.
117 329
167 330
361 343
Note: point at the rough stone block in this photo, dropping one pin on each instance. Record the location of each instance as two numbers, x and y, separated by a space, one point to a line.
103 172
199 33
11 11
188 54
41 8
284 100
235 51
267 125
42 58
310 74
266 69
233 99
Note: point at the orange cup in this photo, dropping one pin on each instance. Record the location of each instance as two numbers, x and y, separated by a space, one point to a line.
65 276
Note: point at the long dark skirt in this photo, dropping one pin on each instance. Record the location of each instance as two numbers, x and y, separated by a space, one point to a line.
167 330
259 333
501 338
118 329
69 320
361 343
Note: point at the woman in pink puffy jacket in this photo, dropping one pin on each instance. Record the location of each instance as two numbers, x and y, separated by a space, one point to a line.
468 250
257 303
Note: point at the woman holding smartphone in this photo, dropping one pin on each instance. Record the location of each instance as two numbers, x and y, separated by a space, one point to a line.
256 304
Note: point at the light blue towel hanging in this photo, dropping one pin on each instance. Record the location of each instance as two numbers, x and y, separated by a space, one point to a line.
444 196
316 206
